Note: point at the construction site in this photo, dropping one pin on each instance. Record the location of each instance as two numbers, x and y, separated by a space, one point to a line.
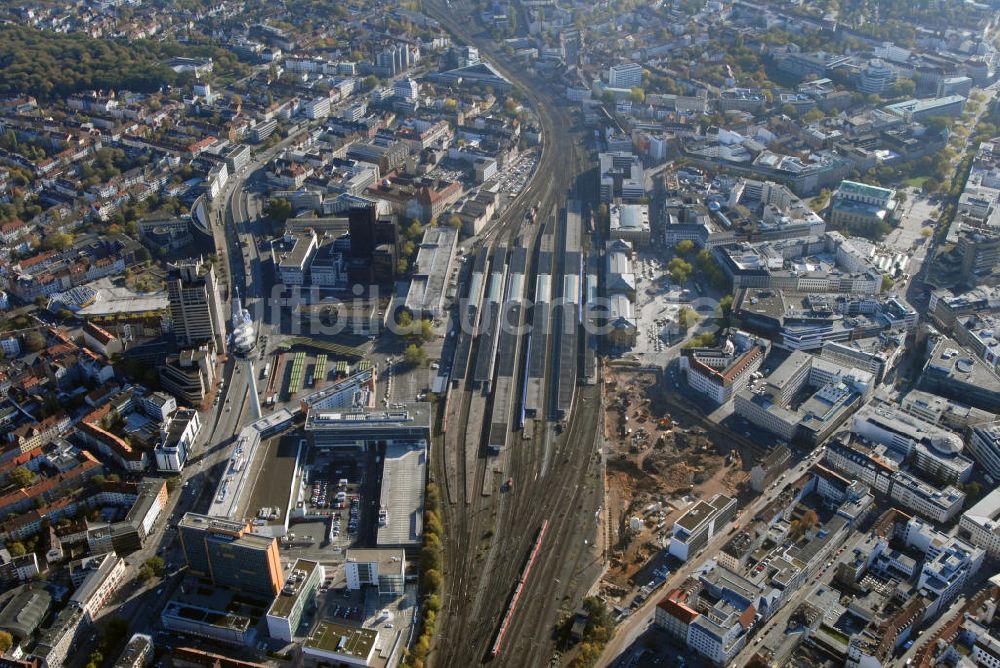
662 455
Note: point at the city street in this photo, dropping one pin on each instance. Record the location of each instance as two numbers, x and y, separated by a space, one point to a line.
617 651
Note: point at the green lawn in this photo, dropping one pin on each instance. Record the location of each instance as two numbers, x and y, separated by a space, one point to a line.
916 181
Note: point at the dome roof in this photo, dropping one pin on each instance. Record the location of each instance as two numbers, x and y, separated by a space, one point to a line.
947 444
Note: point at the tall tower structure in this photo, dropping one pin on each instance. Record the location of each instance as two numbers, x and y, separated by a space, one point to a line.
244 342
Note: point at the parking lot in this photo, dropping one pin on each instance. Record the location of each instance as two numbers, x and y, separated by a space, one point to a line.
405 383
391 615
449 171
514 177
272 475
334 508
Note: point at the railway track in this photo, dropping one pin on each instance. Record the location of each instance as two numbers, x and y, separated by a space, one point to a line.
486 532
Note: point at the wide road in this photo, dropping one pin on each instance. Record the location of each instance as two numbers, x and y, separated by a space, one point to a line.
237 219
636 624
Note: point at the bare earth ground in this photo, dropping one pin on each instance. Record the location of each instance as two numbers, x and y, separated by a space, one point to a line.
656 465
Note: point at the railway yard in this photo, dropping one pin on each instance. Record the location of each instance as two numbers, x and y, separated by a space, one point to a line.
520 448
533 335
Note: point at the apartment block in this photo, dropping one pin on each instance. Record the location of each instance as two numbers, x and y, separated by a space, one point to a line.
626 75
719 373
96 579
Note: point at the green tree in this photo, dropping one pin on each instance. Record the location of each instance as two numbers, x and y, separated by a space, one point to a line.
34 341
156 565
16 549
21 477
926 232
686 318
726 306
904 88
813 115
455 221
432 523
433 580
414 355
6 642
415 229
972 489
58 241
819 202
938 123
637 95
426 332
279 209
679 270
684 247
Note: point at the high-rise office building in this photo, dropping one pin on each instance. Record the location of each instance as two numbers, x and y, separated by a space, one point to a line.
979 250
373 254
195 307
230 555
361 220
